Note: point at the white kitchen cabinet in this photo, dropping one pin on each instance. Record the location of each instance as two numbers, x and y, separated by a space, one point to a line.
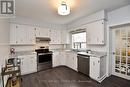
95 32
71 60
55 59
21 34
98 68
42 32
65 37
55 35
58 58
30 35
28 64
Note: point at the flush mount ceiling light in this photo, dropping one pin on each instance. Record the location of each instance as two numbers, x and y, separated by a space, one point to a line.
63 9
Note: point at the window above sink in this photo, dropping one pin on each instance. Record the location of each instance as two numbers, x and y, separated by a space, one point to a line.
79 40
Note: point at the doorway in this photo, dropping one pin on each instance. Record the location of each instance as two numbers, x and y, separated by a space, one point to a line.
121 51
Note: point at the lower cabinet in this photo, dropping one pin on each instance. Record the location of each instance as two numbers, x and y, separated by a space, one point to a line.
71 60
58 58
97 68
68 59
28 64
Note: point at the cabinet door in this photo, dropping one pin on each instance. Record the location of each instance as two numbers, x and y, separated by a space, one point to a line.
42 32
68 60
74 61
95 32
62 58
32 63
23 34
101 29
31 35
55 35
94 67
24 65
65 37
16 34
55 59
71 60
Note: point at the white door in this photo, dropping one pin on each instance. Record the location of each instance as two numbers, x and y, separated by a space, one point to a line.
121 51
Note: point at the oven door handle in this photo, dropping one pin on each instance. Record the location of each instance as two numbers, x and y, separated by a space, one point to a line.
45 54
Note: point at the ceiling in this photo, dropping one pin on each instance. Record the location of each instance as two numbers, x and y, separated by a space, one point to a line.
46 10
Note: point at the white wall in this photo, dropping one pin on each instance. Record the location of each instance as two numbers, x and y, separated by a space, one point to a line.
119 16
4 40
4 43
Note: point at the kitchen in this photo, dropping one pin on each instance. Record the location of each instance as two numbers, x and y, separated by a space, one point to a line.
86 47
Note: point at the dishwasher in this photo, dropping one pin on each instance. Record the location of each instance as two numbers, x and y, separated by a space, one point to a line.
83 64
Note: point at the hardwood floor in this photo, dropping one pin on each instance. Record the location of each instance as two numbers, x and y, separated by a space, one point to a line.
65 77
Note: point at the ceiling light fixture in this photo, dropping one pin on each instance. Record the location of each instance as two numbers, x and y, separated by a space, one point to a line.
63 9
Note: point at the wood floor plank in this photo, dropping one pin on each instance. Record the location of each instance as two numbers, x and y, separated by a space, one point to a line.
66 77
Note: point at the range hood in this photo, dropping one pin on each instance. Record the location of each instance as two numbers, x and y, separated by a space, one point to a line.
40 39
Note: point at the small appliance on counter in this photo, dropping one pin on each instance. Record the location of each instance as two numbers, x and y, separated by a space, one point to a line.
13 61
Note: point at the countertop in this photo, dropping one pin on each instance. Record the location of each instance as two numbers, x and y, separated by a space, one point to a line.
94 54
23 53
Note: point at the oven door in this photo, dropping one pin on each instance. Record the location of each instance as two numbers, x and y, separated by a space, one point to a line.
44 61
44 57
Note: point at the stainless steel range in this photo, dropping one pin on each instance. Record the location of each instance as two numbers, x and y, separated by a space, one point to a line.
44 59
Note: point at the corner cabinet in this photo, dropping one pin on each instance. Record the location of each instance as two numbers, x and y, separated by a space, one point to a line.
98 68
71 60
59 58
96 33
21 35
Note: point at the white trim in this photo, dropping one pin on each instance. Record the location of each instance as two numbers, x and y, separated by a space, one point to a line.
113 56
102 78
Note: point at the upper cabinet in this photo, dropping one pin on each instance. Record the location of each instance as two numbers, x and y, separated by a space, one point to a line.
59 36
55 35
22 34
26 35
95 32
65 37
42 32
